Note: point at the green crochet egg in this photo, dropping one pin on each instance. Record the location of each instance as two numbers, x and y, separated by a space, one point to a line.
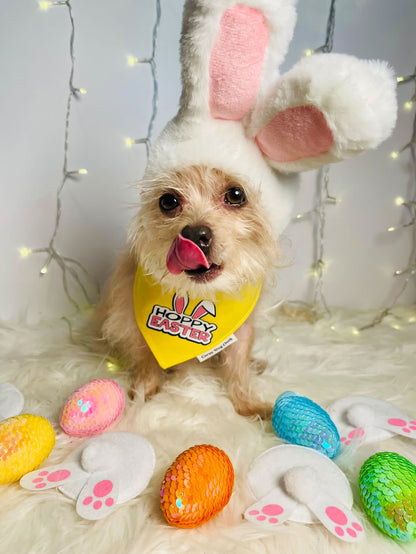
387 484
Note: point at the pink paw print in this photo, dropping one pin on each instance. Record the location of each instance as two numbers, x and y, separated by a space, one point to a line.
407 426
46 479
354 434
96 498
268 512
342 525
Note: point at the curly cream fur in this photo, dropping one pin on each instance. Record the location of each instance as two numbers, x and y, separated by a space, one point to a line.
242 244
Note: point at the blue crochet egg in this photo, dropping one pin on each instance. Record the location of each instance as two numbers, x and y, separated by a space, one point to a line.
298 420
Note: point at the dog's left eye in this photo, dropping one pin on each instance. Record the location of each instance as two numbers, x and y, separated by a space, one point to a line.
168 202
235 196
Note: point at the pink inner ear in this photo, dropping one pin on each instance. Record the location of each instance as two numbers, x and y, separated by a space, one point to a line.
296 133
236 62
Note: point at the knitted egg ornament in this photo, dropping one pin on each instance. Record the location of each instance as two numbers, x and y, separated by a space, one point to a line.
298 420
387 484
197 486
25 443
92 408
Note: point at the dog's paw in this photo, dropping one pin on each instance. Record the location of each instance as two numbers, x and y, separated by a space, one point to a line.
135 393
257 366
149 393
253 408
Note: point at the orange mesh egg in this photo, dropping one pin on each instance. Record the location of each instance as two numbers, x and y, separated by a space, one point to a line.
197 486
25 443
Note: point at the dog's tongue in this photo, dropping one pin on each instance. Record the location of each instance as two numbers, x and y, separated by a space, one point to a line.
185 254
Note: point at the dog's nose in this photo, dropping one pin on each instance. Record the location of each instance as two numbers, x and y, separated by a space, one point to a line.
201 235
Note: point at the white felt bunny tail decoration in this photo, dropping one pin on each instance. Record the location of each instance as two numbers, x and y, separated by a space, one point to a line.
238 115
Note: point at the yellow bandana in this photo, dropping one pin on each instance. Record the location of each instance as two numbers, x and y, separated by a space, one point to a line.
175 333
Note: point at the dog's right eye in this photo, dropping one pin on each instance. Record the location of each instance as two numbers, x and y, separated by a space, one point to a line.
169 202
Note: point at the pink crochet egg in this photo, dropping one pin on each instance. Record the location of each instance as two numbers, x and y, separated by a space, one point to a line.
92 408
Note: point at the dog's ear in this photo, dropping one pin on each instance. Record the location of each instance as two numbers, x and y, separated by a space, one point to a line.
329 107
230 54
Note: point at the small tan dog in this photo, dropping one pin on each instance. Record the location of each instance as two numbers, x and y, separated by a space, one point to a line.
215 197
224 218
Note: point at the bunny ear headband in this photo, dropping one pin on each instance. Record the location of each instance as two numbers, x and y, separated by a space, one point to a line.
239 115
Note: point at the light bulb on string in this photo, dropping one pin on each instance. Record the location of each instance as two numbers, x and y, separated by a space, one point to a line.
81 171
318 268
45 5
132 60
80 91
129 142
25 252
112 365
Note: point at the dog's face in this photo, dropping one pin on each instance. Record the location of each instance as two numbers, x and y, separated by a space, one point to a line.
200 231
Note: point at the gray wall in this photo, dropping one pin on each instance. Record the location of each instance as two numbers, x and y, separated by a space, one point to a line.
34 69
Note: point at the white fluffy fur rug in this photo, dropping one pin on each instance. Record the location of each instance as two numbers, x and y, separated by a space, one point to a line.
324 361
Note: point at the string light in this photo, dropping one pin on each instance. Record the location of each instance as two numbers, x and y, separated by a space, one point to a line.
129 141
345 330
24 252
329 39
408 272
319 266
322 197
44 5
132 61
77 172
112 364
69 266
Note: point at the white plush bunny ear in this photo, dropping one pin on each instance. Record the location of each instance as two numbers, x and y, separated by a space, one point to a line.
328 107
230 54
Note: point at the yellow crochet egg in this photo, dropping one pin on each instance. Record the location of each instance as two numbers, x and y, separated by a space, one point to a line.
197 486
25 443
